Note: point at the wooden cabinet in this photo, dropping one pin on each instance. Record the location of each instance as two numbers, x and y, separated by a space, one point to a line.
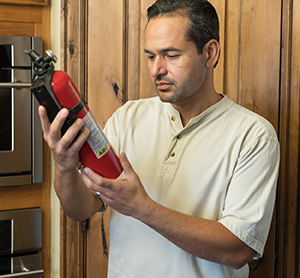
26 2
258 68
19 20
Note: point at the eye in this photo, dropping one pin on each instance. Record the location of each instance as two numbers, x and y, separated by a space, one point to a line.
172 56
150 57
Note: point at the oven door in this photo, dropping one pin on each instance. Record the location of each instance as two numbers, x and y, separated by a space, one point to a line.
20 132
23 266
20 243
15 132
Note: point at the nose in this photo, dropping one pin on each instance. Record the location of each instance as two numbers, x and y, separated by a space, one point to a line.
158 67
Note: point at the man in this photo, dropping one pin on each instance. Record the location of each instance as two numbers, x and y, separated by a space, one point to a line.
197 193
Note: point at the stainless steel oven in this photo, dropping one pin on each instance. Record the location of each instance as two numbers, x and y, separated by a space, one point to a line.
21 243
20 130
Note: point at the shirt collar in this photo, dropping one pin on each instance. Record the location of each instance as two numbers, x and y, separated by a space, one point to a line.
212 112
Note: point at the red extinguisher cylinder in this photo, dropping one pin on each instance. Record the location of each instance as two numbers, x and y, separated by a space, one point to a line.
96 152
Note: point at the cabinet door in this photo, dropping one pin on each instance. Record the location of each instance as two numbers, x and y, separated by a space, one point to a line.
106 79
27 2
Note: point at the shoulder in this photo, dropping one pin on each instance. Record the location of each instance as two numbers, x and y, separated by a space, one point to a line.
139 108
250 121
135 112
142 103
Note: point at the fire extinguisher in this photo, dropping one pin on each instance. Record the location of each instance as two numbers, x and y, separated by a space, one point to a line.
55 90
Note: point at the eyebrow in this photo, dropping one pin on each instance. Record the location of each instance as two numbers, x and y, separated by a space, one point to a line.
168 49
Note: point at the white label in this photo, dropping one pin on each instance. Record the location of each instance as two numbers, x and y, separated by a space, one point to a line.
97 139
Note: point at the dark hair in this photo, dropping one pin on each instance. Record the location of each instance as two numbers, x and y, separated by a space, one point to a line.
204 22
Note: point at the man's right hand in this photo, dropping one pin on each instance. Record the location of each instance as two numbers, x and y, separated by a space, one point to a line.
65 151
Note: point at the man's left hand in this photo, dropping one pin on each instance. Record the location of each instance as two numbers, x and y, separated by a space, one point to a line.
128 196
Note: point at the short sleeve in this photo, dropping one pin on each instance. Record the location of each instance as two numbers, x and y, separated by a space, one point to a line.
251 193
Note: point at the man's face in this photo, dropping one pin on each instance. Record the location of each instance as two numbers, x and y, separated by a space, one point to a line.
177 70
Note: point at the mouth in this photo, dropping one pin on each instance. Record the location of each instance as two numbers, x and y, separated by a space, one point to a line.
162 85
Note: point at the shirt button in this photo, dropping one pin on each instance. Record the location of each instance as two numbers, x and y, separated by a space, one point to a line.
172 154
179 136
173 118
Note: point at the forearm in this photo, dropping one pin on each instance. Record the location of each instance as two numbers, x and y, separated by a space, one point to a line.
76 199
206 239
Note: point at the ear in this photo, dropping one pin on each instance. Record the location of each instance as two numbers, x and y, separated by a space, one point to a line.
212 53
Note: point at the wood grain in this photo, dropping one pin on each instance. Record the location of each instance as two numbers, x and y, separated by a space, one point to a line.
26 2
288 189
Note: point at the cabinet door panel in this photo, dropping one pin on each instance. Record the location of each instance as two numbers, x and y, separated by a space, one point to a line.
106 57
106 86
26 2
146 87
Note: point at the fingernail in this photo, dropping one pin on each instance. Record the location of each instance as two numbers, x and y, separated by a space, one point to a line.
85 170
40 109
79 121
64 112
125 157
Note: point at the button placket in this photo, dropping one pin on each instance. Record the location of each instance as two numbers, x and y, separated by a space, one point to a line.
177 127
176 138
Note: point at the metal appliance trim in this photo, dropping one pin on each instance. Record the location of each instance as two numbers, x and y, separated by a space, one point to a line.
37 133
14 85
23 274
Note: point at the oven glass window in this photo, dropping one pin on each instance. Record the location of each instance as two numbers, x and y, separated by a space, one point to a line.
5 265
6 55
6 101
5 236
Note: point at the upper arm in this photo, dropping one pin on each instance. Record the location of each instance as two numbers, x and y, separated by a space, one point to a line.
251 194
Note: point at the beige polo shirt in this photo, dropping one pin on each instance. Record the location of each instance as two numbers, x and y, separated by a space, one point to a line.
222 166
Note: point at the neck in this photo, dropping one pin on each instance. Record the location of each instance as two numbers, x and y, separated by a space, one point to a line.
191 108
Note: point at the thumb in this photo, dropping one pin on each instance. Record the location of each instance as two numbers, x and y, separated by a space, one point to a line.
128 170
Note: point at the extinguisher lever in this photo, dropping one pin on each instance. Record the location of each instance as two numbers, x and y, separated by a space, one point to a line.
40 64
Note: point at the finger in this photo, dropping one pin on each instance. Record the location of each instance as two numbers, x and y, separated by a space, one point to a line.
94 180
128 170
58 122
80 140
68 138
93 188
44 118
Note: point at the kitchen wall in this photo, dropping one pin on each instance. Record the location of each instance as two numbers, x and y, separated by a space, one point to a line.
55 206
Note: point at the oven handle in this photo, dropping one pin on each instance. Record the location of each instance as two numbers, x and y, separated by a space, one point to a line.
16 85
23 274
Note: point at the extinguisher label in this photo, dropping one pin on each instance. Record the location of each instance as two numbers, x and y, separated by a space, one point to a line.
97 139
